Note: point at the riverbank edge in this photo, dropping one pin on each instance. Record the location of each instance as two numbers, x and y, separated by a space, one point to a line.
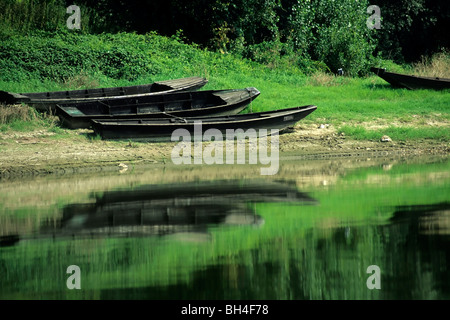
31 156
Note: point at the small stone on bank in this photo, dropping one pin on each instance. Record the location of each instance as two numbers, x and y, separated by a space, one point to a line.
123 167
385 139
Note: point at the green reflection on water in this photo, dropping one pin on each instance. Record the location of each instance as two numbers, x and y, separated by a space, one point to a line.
395 217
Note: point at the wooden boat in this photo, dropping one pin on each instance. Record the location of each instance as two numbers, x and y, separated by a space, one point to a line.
161 129
180 104
412 82
47 100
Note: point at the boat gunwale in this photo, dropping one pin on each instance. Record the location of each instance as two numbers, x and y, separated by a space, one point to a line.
382 71
256 117
204 92
184 86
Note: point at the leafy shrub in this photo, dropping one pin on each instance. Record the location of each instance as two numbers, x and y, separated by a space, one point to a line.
336 33
66 57
317 36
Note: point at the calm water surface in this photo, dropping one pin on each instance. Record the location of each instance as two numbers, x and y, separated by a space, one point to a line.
309 232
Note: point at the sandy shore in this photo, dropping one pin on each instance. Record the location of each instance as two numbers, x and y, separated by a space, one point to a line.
41 152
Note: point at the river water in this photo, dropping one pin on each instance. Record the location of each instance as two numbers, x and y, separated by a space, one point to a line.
324 229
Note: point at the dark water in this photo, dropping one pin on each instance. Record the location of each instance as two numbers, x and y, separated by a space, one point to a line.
372 229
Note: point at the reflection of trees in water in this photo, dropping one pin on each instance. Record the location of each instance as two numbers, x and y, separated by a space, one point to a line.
427 219
413 258
329 265
419 251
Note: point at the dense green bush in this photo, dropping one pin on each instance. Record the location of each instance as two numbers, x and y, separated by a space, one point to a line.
273 32
324 35
61 56
343 39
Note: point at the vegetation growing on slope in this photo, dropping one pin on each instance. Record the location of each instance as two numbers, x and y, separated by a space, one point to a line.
38 56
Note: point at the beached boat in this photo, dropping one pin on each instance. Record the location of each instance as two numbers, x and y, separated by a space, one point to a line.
412 82
48 100
181 104
162 129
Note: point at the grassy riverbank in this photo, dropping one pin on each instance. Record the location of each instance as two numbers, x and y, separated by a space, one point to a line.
355 112
363 109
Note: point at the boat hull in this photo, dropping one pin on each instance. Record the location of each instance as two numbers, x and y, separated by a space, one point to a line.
163 130
412 82
185 104
46 101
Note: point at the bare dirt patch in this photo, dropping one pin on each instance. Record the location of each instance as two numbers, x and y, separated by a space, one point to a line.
43 152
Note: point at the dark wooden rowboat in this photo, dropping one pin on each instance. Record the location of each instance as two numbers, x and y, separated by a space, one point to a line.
412 82
180 104
47 100
161 129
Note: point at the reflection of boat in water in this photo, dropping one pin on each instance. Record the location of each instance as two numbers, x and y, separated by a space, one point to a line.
153 217
242 190
429 219
157 210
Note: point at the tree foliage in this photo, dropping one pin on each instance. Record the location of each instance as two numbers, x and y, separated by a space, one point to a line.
412 28
310 34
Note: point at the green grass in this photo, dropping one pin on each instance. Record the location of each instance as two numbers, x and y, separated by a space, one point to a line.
93 137
357 104
18 125
396 133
